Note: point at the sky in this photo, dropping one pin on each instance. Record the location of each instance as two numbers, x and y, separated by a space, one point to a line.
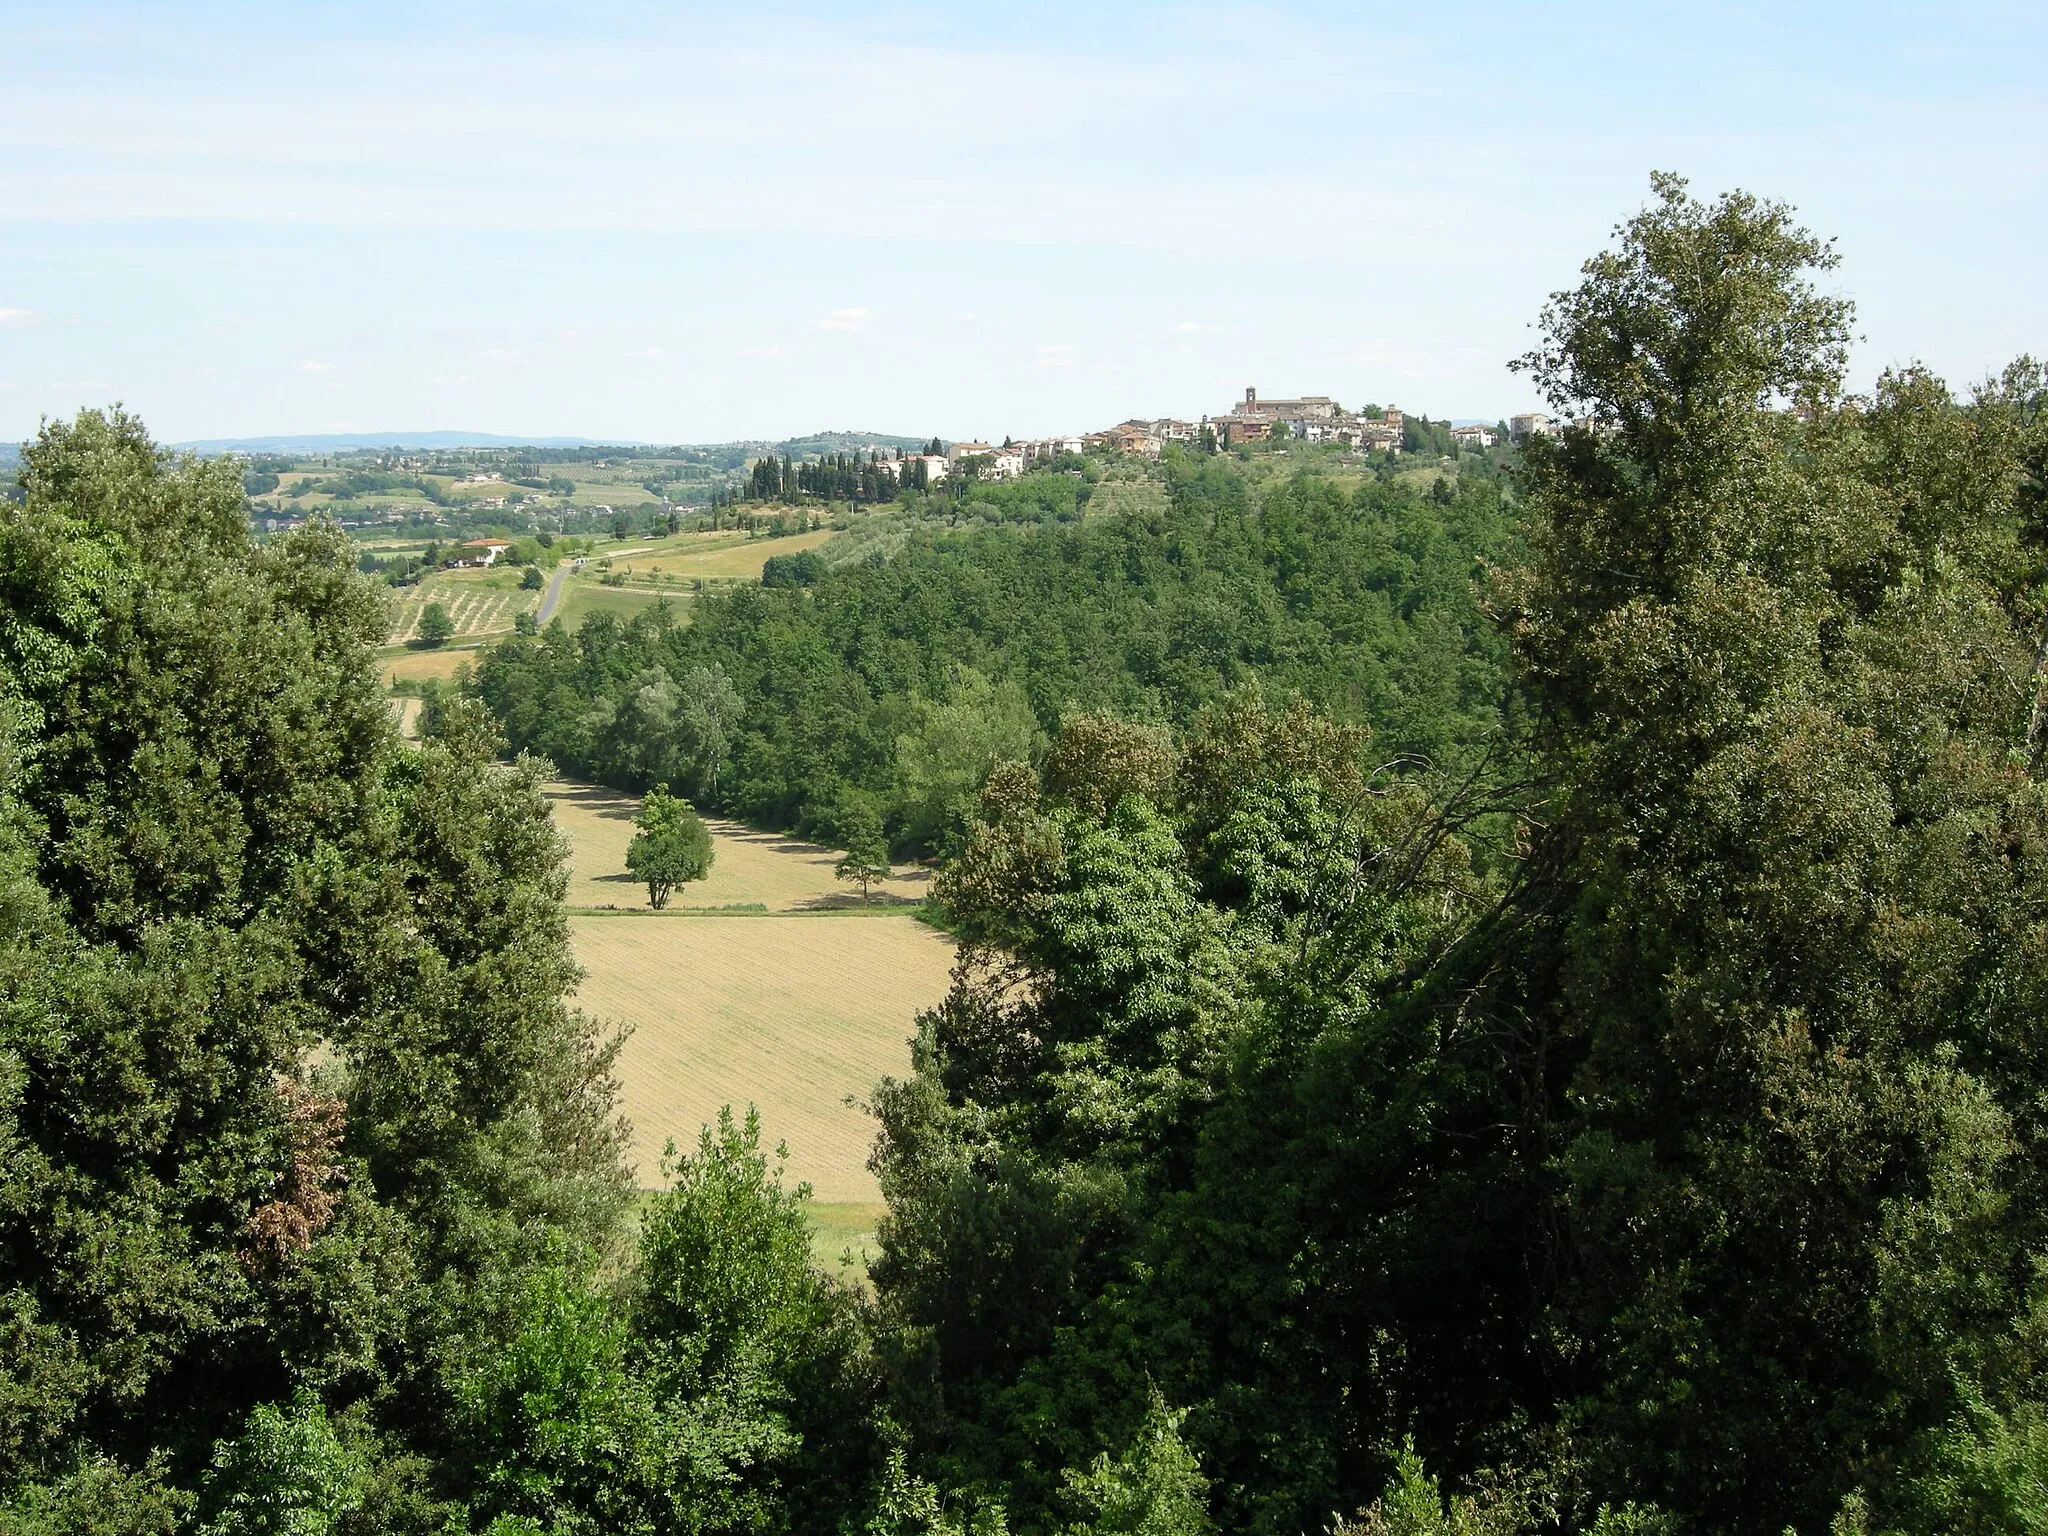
688 223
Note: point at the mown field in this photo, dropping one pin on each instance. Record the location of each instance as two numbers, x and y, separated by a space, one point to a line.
796 1007
797 1014
750 867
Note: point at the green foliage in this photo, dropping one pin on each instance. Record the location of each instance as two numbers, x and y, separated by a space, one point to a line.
754 1353
532 580
286 1474
671 845
1653 1107
288 1094
1155 1488
977 640
98 1498
563 1432
436 628
907 1505
867 850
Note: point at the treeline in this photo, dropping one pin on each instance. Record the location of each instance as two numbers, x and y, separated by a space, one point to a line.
887 687
854 477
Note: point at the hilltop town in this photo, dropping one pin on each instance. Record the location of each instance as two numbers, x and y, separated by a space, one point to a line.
1303 418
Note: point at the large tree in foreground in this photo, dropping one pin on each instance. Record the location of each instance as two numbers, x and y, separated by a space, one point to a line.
1781 937
289 1095
1659 1123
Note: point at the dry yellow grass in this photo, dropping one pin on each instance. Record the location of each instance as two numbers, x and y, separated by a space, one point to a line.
782 873
418 666
793 1014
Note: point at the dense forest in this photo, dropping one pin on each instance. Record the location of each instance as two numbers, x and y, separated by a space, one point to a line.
888 686
1475 1015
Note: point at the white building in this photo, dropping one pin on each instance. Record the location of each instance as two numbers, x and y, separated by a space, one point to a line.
1474 436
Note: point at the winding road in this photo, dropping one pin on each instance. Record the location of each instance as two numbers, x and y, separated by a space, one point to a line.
552 596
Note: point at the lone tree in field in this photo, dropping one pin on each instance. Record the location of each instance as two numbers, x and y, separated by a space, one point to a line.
670 847
867 852
436 628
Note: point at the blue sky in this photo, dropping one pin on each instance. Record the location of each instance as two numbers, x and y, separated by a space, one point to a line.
681 222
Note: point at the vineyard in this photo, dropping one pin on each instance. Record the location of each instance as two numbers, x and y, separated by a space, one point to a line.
477 604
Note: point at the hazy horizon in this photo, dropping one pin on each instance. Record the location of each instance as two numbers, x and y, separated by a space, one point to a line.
689 227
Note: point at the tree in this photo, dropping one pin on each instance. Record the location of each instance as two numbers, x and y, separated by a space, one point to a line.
436 628
285 1475
944 762
531 579
1773 643
866 860
671 845
248 935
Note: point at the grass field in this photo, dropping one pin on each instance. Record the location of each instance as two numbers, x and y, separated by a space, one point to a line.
843 1231
781 874
794 1010
796 1014
582 598
409 666
728 556
1126 498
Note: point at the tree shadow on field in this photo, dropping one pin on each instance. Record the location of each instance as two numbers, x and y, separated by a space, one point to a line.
597 800
851 902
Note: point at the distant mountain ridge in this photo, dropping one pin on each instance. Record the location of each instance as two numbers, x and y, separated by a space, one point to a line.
328 442
342 442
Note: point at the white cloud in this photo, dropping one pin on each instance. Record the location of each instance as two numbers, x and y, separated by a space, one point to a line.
776 351
1058 355
8 384
443 380
653 354
499 355
312 366
14 319
844 319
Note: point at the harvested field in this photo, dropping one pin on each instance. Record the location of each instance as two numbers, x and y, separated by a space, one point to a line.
792 1013
441 664
782 874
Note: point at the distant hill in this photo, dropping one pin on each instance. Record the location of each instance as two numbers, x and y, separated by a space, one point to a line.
846 442
332 442
343 442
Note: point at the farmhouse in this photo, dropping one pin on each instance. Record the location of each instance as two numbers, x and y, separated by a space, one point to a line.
1474 436
483 551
